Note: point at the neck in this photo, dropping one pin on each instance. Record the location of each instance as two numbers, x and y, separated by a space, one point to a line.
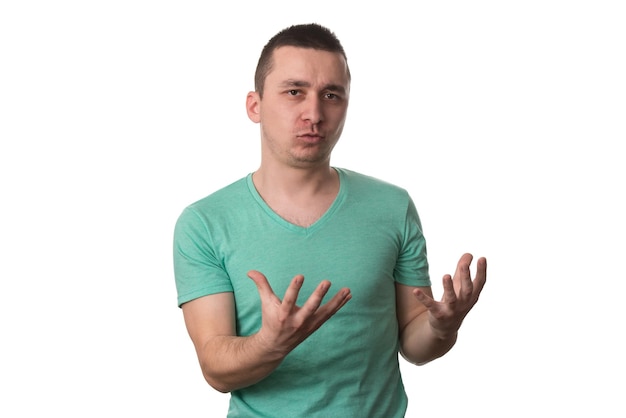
301 196
295 181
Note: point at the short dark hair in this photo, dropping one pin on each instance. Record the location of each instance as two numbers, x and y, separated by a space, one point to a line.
310 35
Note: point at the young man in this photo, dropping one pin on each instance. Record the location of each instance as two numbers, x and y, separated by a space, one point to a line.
282 345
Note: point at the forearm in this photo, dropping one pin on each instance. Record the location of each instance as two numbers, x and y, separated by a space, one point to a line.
420 344
230 362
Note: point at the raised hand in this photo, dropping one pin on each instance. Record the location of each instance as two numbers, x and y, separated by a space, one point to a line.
460 294
284 324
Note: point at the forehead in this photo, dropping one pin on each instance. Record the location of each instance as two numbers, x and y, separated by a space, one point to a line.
309 65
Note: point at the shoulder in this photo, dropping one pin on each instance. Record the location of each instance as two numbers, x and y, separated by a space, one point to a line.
225 195
216 205
362 184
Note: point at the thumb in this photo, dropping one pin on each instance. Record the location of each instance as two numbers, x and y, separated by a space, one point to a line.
428 302
265 290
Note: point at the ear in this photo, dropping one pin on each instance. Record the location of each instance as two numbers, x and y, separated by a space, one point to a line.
253 106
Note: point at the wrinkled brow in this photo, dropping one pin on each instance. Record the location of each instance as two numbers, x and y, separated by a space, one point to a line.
298 83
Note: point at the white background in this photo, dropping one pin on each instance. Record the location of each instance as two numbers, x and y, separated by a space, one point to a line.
505 120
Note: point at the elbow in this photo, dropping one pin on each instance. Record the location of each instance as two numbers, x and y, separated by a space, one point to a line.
423 362
215 380
412 359
420 355
217 384
422 359
221 389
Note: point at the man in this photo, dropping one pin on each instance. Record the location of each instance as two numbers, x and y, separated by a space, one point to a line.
282 345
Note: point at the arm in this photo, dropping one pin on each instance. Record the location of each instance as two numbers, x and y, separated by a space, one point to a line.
428 329
231 362
419 344
227 361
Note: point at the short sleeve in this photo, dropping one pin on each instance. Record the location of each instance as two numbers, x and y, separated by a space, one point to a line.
412 265
198 270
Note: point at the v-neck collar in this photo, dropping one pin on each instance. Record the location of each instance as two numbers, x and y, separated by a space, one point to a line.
308 230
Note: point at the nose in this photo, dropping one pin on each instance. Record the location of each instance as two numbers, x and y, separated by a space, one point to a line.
312 110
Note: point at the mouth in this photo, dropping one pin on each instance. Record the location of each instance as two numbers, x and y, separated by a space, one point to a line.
311 137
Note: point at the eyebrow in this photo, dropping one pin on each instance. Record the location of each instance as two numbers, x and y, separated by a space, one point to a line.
298 83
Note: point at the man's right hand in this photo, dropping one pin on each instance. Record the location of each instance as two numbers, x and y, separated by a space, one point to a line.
231 362
285 324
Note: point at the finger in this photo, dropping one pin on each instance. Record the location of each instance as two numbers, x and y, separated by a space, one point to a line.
336 302
291 294
463 276
449 294
425 300
481 276
330 308
315 300
265 290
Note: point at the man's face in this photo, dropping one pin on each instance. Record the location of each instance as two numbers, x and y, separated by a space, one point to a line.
304 106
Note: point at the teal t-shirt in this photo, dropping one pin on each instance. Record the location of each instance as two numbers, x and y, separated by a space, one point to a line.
368 239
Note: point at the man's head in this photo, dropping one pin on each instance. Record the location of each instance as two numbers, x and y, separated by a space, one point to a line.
302 96
311 36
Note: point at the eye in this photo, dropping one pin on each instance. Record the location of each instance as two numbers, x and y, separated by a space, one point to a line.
331 96
293 92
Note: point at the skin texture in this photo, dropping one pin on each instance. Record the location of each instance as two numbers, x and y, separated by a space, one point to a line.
303 110
428 328
301 116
